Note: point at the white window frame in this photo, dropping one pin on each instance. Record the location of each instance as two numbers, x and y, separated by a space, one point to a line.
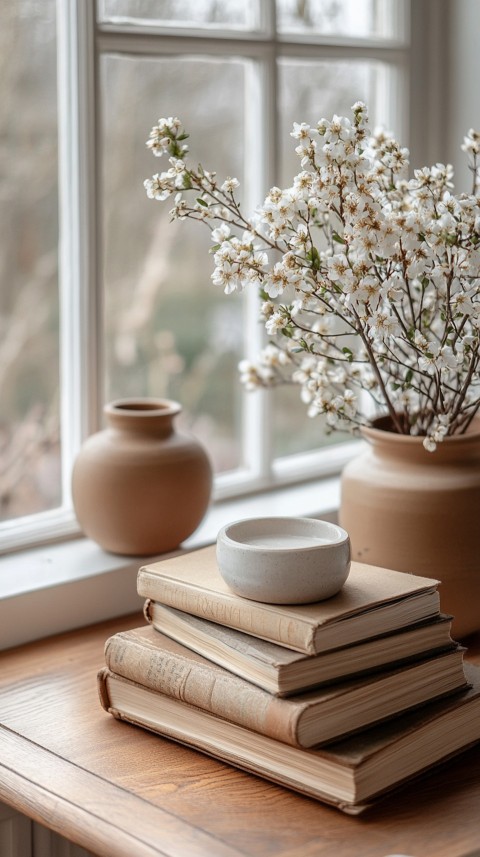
79 266
80 44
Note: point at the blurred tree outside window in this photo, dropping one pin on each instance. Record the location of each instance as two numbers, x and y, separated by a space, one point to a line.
238 73
30 479
168 331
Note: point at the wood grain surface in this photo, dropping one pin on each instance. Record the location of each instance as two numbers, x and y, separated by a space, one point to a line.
120 791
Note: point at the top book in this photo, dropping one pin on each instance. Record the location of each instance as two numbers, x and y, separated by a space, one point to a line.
372 602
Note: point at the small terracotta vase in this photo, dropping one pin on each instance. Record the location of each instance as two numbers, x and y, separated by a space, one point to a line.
417 511
140 487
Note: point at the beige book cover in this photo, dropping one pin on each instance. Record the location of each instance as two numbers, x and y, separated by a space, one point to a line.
373 601
283 671
350 774
150 658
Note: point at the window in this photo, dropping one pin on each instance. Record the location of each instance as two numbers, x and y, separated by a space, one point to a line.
127 307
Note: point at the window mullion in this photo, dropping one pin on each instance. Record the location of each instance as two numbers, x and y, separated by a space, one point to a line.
429 80
81 317
261 169
267 15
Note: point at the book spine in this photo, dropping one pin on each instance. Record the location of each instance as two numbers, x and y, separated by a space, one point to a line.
103 689
256 619
239 755
147 610
207 687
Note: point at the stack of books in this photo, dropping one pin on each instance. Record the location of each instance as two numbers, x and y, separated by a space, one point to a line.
341 700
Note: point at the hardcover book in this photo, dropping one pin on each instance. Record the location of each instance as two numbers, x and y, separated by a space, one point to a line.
349 773
283 671
373 601
155 661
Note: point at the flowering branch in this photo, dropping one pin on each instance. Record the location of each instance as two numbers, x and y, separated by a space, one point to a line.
377 273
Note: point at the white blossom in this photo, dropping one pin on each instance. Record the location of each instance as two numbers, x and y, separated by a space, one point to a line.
301 131
274 323
230 184
159 186
383 324
369 278
428 361
471 143
279 279
221 233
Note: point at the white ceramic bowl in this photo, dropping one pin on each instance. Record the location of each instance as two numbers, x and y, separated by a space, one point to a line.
284 560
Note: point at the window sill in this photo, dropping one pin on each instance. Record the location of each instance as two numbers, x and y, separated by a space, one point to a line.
69 585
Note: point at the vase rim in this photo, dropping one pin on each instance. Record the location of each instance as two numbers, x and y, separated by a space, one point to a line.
142 407
374 432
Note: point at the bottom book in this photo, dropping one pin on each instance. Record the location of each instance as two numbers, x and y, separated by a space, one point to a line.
349 774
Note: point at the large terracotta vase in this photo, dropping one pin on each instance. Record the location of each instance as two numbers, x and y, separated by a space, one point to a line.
419 512
140 487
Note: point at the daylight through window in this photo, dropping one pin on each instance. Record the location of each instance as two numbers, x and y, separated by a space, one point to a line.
138 313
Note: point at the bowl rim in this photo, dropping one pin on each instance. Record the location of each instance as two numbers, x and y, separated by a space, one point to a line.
224 536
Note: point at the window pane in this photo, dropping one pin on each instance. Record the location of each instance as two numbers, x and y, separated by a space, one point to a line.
360 18
169 331
29 335
179 13
308 92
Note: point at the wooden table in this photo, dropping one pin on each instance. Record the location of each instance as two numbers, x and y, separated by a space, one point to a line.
119 791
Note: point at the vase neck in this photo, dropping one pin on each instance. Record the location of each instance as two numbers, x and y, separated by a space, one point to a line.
142 416
454 449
